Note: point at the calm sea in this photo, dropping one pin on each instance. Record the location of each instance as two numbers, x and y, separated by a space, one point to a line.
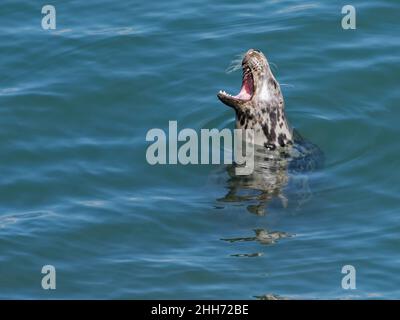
77 193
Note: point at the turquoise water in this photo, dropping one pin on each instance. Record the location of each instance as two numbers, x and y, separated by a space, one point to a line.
77 193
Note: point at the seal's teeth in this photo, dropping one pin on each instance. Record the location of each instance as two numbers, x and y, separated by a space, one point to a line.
225 93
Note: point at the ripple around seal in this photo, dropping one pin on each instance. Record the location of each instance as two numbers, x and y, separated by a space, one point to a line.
76 190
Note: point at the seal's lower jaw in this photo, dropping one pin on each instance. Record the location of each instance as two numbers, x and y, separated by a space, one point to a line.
245 94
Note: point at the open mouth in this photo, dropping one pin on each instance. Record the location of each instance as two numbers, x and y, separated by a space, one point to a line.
247 90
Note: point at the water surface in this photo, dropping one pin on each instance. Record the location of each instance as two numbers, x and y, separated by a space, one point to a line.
76 191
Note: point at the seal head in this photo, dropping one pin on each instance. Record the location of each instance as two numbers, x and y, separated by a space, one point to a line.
259 105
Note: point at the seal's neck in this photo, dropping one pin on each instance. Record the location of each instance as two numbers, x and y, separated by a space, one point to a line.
268 121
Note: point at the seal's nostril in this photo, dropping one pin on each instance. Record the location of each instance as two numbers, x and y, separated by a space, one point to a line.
256 50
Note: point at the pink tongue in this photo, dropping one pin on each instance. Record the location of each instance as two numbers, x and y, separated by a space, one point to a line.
246 90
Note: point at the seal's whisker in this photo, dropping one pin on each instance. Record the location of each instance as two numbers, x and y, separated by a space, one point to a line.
274 65
236 63
233 67
287 85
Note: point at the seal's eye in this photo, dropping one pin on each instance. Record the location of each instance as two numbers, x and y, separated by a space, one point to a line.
270 146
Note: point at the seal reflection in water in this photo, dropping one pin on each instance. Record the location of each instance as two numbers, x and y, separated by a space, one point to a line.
279 150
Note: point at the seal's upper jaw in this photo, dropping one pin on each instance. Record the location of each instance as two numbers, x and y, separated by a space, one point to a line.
248 81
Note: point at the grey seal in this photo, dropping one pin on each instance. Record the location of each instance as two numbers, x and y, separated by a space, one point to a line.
260 105
279 173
